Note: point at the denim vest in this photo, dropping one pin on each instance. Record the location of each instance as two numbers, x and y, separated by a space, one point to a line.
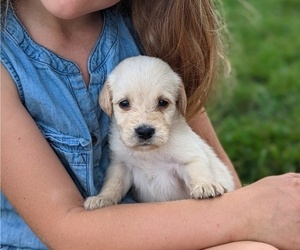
64 108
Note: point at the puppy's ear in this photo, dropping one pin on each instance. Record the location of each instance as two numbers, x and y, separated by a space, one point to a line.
182 100
105 99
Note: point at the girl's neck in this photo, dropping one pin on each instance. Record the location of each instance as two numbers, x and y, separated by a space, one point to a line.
72 39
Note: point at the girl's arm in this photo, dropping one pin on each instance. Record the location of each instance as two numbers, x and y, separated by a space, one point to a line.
202 126
37 185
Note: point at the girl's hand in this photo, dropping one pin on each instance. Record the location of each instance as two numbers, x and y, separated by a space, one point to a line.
273 206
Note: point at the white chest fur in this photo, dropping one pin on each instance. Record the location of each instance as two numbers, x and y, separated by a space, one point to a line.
158 179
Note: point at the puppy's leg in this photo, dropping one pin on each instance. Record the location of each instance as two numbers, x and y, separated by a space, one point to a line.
117 183
201 182
218 169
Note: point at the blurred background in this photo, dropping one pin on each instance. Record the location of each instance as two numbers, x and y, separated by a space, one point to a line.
256 111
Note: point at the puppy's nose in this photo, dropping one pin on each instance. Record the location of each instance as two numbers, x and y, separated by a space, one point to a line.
145 132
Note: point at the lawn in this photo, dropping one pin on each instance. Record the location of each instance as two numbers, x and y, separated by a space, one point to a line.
256 111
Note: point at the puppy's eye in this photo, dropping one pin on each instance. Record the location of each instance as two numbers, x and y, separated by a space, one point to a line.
124 104
163 103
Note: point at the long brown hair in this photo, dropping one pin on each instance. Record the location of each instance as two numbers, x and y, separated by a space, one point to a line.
186 34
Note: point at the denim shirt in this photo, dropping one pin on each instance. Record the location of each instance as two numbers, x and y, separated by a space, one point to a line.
64 108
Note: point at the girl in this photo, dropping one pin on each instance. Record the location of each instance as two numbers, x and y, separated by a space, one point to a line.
55 57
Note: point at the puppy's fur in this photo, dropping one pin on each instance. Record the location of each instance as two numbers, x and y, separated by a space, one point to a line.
153 149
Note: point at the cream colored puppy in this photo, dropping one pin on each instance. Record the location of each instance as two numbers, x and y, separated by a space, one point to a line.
152 147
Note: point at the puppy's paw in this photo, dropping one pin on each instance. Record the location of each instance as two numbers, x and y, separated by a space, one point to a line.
207 190
94 202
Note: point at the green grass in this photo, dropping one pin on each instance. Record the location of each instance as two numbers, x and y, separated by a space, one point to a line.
257 111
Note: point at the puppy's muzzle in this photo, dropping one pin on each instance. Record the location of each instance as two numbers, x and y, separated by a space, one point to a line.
144 132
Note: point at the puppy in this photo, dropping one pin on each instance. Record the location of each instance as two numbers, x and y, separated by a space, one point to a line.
153 150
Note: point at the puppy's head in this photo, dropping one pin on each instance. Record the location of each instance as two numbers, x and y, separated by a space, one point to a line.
144 96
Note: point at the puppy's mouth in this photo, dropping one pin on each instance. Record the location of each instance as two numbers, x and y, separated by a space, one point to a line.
144 146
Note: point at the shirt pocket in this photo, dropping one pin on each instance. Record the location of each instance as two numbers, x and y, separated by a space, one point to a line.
75 154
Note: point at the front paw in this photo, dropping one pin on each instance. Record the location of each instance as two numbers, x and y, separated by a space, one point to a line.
94 202
207 190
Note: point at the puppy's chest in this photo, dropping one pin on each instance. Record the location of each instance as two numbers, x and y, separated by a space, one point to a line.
158 180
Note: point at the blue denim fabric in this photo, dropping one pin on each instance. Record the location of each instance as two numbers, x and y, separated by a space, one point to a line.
66 111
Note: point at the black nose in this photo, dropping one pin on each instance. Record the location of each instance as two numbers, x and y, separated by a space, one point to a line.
145 132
